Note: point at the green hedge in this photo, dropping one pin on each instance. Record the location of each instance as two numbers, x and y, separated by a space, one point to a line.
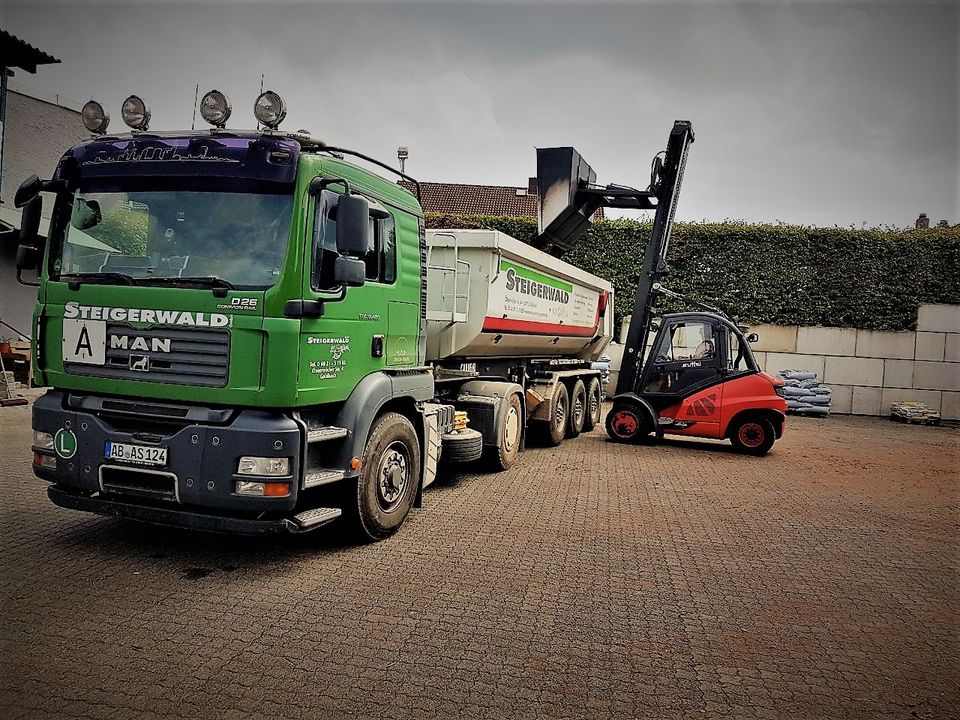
781 274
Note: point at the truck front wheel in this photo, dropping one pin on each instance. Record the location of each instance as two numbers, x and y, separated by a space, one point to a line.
388 479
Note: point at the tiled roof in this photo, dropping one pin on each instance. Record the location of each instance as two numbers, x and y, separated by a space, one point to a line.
15 53
462 199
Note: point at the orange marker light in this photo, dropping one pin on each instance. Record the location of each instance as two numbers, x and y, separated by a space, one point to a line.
356 463
275 489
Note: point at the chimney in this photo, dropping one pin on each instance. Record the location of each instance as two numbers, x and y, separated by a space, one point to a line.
532 188
923 222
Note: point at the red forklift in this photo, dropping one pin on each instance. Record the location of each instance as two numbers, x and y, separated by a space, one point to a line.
698 377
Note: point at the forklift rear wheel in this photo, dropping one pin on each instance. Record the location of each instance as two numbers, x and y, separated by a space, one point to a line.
594 405
627 423
753 435
578 409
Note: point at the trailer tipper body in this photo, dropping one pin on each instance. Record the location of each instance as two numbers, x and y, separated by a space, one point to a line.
246 332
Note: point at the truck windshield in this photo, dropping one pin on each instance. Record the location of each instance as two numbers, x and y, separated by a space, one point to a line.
227 239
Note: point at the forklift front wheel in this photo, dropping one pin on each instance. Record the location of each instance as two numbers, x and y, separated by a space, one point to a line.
753 435
627 423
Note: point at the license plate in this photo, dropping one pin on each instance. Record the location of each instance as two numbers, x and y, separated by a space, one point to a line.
139 454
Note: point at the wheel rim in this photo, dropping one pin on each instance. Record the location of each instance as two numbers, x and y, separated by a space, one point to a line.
625 424
511 429
594 404
393 476
578 411
560 414
751 434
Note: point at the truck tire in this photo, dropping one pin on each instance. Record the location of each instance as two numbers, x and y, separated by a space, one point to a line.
553 431
627 422
388 480
509 433
594 405
578 409
462 446
752 435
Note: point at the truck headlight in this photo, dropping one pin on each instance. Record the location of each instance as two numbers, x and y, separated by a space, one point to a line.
135 113
42 440
215 108
270 109
250 465
95 118
261 489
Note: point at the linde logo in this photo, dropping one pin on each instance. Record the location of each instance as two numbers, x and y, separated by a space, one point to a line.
129 342
526 286
73 310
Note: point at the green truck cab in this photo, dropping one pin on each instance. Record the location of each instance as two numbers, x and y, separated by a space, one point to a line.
234 329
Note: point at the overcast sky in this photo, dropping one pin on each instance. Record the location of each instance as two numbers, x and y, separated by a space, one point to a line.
809 113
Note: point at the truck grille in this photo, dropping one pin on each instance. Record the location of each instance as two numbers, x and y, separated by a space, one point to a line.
195 357
138 482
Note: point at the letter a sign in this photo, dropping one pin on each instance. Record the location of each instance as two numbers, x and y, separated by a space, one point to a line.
84 341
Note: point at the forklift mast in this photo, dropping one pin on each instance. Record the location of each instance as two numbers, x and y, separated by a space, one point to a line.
569 198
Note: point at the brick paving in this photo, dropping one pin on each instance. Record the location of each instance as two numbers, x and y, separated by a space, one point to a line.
591 581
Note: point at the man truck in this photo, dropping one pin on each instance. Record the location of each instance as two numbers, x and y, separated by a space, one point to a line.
246 332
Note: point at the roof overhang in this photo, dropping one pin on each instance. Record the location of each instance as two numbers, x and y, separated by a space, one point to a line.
16 53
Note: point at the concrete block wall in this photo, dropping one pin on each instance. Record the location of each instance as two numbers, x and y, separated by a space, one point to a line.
868 369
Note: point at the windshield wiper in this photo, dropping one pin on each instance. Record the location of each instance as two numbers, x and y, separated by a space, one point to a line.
219 285
74 280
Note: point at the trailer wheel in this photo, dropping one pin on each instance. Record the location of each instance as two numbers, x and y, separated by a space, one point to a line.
388 480
578 409
504 455
627 423
753 435
594 405
555 429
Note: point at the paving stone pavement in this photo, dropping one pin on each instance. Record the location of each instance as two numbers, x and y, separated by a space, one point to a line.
593 580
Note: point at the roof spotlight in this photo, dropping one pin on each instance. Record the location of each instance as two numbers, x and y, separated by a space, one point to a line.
270 109
215 108
95 118
135 113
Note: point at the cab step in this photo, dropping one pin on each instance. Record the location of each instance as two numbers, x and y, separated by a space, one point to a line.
321 477
312 519
322 434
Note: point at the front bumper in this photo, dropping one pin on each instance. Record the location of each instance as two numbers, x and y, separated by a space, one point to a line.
171 516
204 447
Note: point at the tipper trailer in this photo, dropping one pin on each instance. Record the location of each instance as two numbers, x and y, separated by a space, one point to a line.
246 332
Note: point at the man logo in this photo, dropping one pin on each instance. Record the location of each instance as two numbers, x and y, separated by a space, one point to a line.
140 363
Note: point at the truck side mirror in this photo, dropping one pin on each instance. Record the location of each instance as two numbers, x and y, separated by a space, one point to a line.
752 338
30 220
353 225
28 258
347 271
29 189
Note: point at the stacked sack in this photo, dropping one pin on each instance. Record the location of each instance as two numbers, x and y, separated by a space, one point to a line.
805 393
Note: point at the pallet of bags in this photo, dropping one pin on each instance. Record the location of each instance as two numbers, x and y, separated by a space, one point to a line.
914 412
805 394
